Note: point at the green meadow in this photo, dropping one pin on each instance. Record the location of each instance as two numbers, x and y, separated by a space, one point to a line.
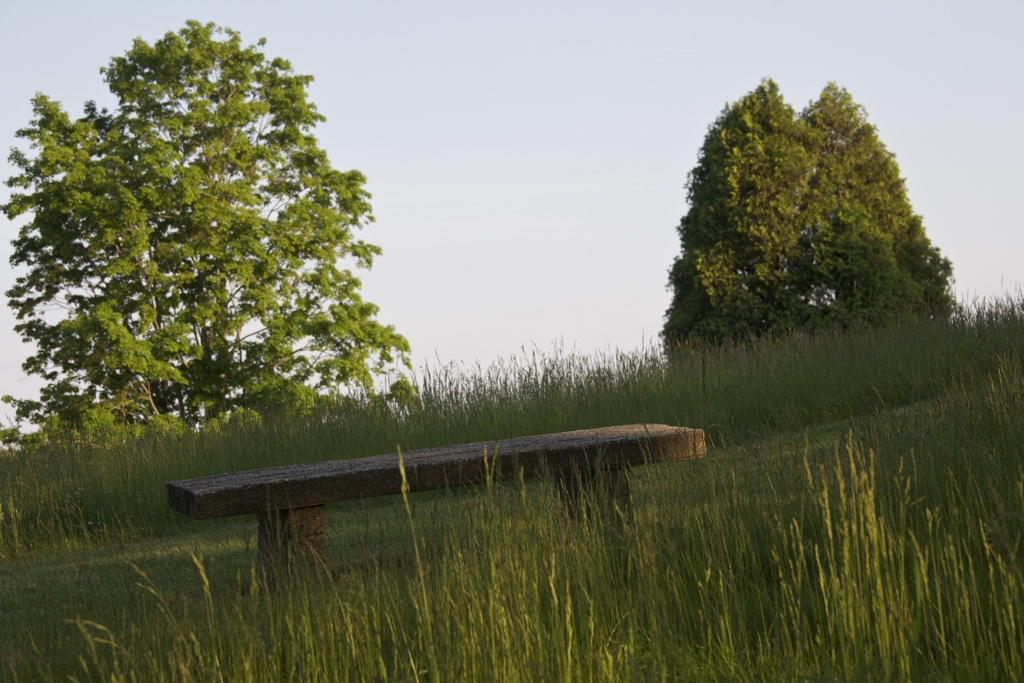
858 517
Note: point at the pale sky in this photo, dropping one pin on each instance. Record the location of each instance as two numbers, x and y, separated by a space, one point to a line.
527 160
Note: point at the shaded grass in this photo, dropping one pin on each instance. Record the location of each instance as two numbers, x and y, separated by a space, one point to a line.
846 575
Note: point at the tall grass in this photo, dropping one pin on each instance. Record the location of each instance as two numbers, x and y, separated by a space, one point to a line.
889 549
67 493
896 564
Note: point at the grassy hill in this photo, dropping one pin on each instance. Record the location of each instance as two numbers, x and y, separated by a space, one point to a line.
858 516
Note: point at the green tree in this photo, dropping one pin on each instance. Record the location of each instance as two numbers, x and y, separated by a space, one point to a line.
797 222
864 251
184 251
741 231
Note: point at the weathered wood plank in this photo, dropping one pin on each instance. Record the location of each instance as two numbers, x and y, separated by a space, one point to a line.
319 483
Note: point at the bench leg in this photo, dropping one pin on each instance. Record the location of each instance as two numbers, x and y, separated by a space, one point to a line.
290 540
608 489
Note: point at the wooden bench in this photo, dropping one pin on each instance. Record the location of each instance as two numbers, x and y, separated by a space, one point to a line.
289 501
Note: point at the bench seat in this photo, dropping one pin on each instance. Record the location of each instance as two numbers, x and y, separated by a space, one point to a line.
289 500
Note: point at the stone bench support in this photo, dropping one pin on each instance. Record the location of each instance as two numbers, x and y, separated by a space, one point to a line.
292 539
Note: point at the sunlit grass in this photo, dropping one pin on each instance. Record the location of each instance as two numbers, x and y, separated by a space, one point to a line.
858 517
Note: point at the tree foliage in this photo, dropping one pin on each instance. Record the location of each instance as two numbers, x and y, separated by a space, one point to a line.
798 221
184 253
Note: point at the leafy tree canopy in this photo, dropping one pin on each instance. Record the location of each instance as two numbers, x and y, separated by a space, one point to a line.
183 250
798 221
